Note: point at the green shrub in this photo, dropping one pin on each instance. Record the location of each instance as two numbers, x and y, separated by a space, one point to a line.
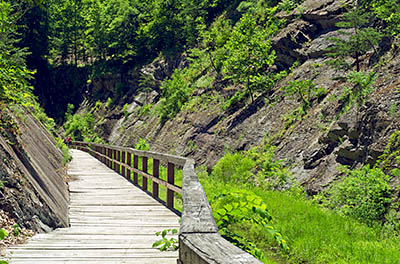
109 102
175 93
271 173
80 127
65 150
364 194
142 145
234 168
243 207
362 86
125 110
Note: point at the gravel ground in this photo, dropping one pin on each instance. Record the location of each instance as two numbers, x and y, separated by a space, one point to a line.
8 224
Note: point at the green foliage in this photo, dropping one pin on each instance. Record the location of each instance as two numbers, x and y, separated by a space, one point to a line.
80 127
3 234
167 243
243 207
109 103
305 90
354 43
389 12
390 159
271 172
175 93
249 55
213 41
235 100
234 168
125 110
144 110
289 5
363 193
65 150
16 230
362 86
314 234
142 145
14 75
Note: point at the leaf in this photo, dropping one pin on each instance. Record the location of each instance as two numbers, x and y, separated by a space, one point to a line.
157 243
3 234
228 207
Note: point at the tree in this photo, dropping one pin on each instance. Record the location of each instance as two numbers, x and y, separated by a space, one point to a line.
248 55
355 41
389 12
14 75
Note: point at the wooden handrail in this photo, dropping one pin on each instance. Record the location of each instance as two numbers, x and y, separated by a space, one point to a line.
199 239
117 159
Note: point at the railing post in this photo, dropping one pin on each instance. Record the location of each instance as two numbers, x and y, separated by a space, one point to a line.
129 163
123 157
114 167
136 166
171 180
118 167
109 154
103 152
156 173
144 169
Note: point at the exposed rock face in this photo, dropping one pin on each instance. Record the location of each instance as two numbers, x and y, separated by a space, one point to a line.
314 146
34 192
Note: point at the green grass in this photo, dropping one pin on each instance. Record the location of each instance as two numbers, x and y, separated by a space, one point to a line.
314 234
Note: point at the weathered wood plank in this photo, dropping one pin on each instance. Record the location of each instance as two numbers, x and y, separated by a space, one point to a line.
98 260
112 221
211 248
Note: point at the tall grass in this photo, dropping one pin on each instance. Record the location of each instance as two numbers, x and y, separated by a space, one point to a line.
314 234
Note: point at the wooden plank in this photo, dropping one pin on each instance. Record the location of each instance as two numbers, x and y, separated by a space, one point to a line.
98 260
112 221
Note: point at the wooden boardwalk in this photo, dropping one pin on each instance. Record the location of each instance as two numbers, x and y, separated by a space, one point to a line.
112 221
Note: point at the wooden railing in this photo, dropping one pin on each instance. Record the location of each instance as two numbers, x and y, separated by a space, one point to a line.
199 239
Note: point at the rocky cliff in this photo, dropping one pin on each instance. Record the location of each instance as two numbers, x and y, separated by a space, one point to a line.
34 191
313 145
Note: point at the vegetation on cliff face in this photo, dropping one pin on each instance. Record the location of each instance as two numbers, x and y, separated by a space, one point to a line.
153 67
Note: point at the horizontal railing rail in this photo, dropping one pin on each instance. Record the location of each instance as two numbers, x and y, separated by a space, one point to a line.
199 239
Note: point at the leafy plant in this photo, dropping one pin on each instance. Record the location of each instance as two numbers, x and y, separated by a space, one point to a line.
271 172
16 230
244 207
363 194
234 168
142 144
362 86
389 12
167 243
305 90
355 42
14 75
3 234
125 110
249 54
389 160
65 150
109 102
175 93
80 126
